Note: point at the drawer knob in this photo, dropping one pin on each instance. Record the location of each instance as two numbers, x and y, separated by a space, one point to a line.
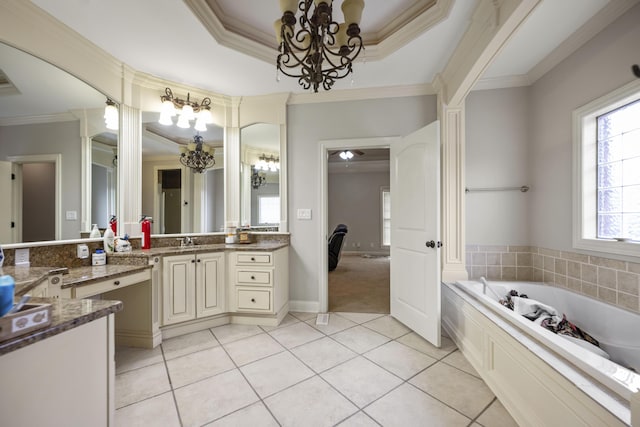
193 261
253 277
117 282
253 300
253 259
199 260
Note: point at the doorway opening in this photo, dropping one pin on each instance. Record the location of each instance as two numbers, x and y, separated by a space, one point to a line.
168 215
351 196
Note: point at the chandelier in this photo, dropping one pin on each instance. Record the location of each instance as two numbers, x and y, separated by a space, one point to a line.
197 155
258 178
187 111
321 51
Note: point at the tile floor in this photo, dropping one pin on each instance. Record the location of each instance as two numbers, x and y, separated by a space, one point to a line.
359 370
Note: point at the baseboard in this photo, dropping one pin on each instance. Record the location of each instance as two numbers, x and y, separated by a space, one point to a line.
373 253
304 306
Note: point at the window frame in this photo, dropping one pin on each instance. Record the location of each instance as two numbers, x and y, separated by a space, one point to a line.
267 196
382 218
585 172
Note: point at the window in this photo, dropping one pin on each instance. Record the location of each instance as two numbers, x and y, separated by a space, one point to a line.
386 216
268 209
607 173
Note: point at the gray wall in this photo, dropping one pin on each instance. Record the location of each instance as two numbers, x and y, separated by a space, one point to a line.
38 202
215 200
309 125
99 196
497 155
51 138
600 66
355 200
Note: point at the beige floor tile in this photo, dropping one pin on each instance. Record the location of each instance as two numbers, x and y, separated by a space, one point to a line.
303 316
148 412
408 406
140 384
295 335
457 360
130 358
336 324
360 317
456 388
387 326
275 373
199 365
189 343
323 354
360 339
287 321
213 398
399 359
255 415
496 416
250 349
361 381
415 341
310 403
359 420
232 332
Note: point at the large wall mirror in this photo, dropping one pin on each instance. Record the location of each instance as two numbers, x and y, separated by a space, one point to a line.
260 205
48 119
179 200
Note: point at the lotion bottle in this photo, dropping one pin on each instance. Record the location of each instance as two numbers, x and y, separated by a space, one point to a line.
109 240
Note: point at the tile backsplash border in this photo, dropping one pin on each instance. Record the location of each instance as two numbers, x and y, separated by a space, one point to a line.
608 280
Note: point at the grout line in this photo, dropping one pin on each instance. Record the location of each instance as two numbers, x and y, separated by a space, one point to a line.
173 394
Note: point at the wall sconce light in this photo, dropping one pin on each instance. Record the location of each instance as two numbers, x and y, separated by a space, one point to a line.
111 115
346 155
187 111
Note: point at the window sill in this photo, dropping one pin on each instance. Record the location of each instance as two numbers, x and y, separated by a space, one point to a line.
609 247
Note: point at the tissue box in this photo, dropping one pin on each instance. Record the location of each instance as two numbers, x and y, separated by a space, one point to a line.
31 317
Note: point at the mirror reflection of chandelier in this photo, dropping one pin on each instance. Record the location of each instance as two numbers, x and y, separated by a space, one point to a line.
197 155
258 178
322 50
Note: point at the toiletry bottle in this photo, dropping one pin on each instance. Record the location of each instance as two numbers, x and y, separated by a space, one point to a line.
145 225
109 240
7 287
1 256
113 222
94 232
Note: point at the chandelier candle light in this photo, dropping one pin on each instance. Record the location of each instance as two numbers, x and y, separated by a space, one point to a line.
197 155
187 111
320 50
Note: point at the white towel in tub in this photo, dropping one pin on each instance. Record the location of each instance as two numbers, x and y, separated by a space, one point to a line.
534 310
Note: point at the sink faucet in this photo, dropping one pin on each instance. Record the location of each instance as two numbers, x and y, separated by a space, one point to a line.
186 241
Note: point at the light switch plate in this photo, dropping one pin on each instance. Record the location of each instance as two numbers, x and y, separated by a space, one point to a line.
304 213
22 257
71 215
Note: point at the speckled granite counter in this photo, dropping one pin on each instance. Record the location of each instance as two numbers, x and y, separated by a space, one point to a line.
66 314
120 257
81 276
27 278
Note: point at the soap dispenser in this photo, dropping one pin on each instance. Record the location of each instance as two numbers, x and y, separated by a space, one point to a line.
95 233
109 240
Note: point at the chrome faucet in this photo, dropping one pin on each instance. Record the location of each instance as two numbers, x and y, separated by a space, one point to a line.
186 241
486 285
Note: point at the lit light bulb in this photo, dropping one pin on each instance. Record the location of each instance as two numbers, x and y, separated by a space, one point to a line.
183 122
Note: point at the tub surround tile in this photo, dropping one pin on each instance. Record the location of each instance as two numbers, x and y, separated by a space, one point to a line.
478 271
509 273
573 269
572 256
549 263
560 266
633 267
494 259
628 282
509 259
538 261
494 273
589 273
606 262
479 258
628 301
607 277
590 289
561 280
524 273
548 277
574 284
493 248
525 249
524 259
549 252
607 295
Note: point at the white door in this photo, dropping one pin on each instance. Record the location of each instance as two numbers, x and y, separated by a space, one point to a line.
415 232
6 207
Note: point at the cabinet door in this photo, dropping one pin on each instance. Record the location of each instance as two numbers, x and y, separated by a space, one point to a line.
178 289
210 287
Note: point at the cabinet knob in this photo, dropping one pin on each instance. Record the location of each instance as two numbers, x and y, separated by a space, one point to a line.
117 282
253 300
193 261
199 260
253 277
253 259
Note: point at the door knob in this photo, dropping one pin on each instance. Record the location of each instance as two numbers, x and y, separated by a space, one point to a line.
432 244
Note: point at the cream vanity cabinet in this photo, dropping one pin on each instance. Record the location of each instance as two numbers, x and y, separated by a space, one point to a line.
259 281
49 288
192 286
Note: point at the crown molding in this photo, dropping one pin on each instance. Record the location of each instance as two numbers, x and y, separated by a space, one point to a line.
502 82
361 94
34 120
612 11
234 34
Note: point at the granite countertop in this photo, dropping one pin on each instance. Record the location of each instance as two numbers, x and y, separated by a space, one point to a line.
27 278
216 247
66 314
80 276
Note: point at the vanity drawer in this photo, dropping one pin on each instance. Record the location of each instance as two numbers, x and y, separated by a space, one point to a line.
252 258
254 277
252 299
109 285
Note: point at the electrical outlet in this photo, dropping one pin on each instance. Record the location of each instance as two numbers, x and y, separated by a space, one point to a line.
22 257
304 213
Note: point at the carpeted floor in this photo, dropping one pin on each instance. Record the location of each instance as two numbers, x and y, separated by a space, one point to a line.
360 284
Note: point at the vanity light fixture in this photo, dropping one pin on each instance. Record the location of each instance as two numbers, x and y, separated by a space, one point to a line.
187 111
197 155
268 163
111 115
321 51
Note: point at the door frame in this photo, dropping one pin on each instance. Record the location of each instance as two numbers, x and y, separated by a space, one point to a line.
18 161
185 212
323 214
